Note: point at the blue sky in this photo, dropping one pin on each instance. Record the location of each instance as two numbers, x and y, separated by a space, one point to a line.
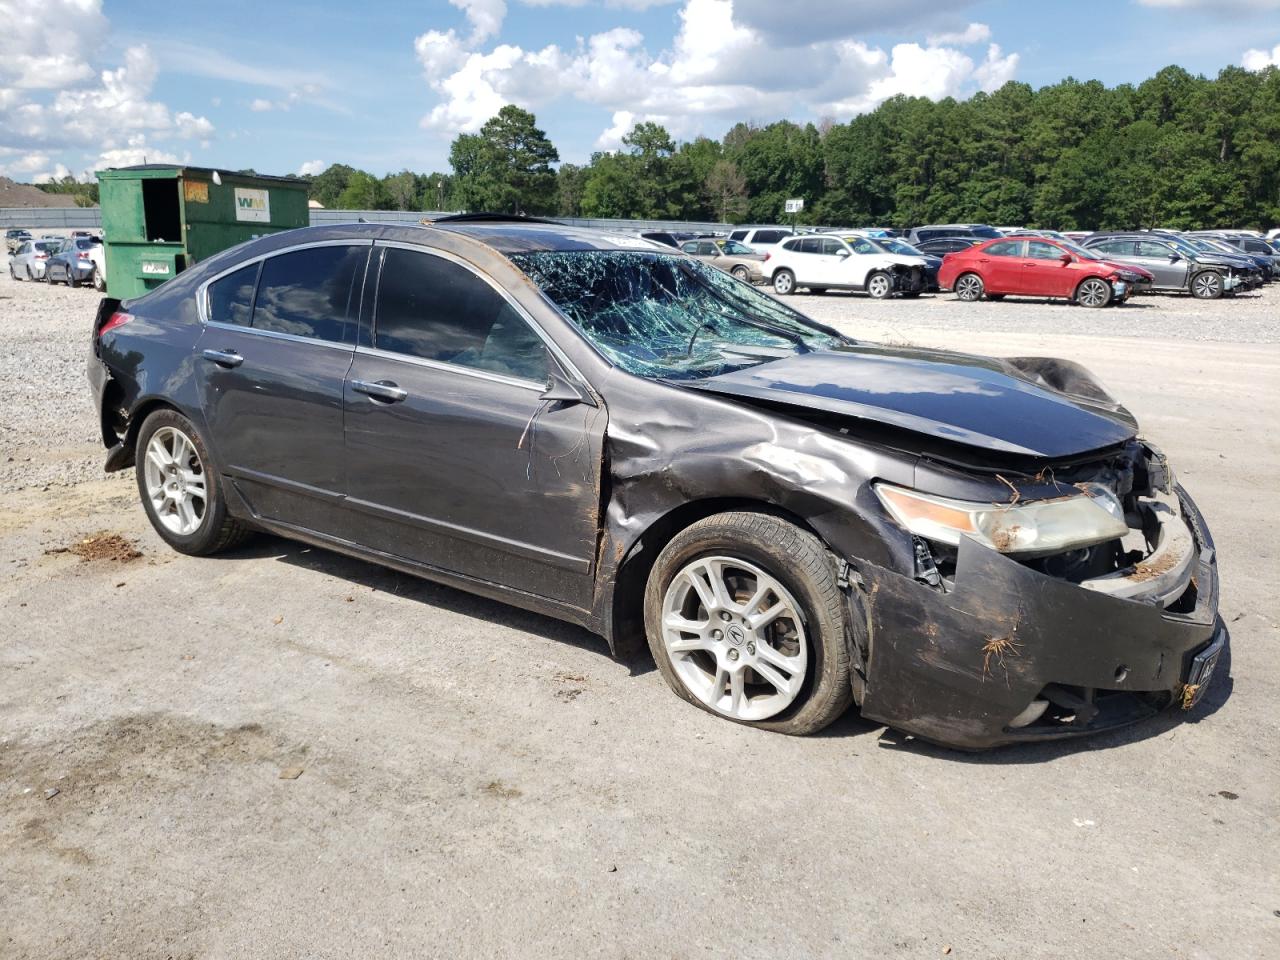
289 86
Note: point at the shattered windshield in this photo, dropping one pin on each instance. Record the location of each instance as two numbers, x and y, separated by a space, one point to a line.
668 317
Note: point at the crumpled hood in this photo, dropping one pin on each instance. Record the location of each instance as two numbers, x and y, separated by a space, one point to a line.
1033 406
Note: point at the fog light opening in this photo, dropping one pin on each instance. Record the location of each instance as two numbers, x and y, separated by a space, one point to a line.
1034 711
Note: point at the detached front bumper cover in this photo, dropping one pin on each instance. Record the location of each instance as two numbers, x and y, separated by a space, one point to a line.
963 667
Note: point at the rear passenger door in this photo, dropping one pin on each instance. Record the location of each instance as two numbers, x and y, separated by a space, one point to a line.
1000 265
455 460
270 365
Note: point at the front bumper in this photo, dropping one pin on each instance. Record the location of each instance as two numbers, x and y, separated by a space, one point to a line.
963 667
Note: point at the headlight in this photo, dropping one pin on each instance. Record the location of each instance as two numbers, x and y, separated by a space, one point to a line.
1091 515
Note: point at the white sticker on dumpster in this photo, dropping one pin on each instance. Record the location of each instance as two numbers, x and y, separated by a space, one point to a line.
253 205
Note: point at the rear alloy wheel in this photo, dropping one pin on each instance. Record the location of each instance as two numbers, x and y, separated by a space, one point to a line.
1206 285
181 490
879 285
1094 292
99 281
72 279
742 273
744 619
970 288
784 283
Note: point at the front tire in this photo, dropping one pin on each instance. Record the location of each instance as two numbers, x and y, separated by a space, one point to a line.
181 490
1206 285
880 285
784 283
745 619
970 288
1094 292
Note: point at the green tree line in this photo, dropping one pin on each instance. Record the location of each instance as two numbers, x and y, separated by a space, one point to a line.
1177 150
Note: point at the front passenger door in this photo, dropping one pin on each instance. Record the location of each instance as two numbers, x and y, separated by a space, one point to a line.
454 459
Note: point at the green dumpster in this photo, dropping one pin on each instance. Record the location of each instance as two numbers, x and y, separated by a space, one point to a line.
159 219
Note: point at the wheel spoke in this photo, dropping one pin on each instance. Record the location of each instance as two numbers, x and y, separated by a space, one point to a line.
187 515
194 483
773 677
737 690
717 685
763 619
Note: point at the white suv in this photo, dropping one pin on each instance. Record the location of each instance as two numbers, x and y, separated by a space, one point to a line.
850 261
761 239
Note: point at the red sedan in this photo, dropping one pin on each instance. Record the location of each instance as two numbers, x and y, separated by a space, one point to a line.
1039 267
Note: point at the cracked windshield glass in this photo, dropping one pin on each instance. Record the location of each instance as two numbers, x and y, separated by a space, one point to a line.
665 317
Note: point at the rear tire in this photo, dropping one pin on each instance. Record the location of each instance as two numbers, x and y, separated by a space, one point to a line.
969 287
72 280
1206 285
172 463
760 563
784 283
742 273
99 281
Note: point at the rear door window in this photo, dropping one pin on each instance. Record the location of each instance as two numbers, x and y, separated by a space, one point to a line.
434 309
1149 248
770 236
231 297
311 293
1010 248
738 235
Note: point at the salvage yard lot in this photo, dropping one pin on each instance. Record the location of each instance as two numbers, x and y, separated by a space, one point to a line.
478 781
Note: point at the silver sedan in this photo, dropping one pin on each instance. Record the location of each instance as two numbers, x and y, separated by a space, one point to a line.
31 258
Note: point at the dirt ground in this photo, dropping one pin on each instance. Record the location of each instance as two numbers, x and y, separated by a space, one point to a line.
286 753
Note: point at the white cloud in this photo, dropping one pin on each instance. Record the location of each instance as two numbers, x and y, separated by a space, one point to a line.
311 168
261 105
52 99
134 153
47 46
485 17
718 70
59 172
974 33
1261 59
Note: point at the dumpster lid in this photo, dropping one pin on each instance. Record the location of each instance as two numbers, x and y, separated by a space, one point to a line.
180 169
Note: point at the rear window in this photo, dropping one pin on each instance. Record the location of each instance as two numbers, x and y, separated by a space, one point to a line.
738 235
1010 248
231 297
770 236
986 233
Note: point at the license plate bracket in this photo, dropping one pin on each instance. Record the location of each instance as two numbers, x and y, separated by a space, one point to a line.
1203 665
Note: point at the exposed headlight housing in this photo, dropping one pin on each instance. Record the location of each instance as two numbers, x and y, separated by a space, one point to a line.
1092 514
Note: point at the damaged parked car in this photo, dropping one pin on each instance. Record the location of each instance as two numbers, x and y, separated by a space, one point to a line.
822 262
975 551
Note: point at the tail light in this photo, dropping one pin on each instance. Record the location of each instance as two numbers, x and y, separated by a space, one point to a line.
767 256
42 256
117 319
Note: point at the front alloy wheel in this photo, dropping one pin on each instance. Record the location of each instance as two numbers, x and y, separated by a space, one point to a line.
735 638
784 283
1206 285
1094 293
879 285
746 620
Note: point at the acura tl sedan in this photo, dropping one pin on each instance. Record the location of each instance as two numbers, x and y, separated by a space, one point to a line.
975 551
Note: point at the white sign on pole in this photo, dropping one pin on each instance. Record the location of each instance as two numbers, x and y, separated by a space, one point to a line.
796 205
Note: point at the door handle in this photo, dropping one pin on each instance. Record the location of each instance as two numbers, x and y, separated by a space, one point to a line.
983 260
380 390
224 358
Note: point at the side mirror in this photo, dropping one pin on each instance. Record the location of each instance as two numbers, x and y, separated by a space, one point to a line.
1067 258
1175 257
562 390
842 254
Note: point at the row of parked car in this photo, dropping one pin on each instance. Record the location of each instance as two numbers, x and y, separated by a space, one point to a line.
75 260
978 261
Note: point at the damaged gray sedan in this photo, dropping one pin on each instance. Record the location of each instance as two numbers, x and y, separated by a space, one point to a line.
976 551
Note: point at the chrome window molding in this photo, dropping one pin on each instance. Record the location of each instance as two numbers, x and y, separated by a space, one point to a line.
277 335
536 386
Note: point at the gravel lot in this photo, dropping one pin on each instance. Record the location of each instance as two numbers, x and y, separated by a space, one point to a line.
480 781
